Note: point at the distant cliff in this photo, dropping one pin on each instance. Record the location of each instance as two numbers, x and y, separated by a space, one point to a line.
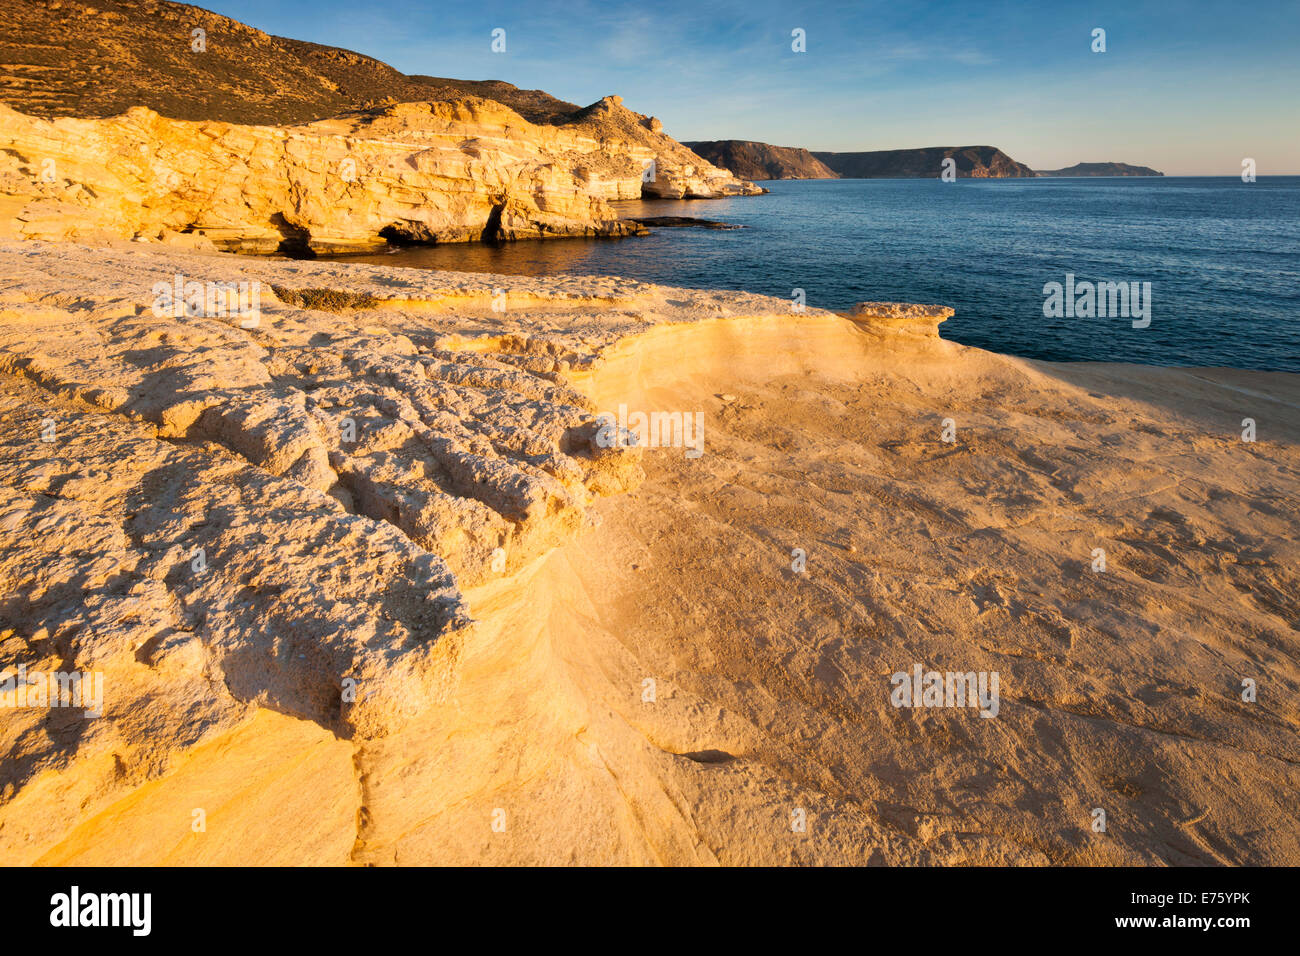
762 160
971 162
1101 169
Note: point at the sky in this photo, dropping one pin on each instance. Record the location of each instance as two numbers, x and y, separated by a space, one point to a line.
1189 88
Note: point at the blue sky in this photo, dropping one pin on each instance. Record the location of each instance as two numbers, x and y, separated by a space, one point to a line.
1189 88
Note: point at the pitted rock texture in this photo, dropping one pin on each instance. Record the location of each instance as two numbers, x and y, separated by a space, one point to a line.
222 514
443 172
238 520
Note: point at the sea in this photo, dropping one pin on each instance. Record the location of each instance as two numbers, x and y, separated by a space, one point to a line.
1214 263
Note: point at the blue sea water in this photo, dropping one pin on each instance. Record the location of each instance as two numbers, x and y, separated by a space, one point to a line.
1222 257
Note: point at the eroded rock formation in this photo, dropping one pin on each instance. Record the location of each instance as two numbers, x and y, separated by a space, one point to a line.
326 559
897 318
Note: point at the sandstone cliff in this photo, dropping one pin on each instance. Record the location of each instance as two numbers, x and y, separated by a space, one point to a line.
453 171
972 162
750 160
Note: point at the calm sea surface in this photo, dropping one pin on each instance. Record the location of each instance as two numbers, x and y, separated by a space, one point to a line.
1222 257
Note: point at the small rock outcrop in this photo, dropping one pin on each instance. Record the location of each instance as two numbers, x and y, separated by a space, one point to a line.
899 318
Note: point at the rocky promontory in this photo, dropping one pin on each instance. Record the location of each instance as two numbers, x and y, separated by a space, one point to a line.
198 130
1100 169
749 160
970 162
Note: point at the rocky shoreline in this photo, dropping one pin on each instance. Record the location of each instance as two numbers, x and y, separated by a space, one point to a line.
365 534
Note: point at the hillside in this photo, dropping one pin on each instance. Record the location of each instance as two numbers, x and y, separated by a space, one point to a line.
750 160
99 58
972 162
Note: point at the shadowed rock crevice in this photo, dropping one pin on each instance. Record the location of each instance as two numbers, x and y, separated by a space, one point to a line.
492 229
296 241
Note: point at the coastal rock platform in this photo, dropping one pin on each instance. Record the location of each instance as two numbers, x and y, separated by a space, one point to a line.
365 586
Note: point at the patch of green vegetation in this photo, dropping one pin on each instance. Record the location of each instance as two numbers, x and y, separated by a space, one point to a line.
325 300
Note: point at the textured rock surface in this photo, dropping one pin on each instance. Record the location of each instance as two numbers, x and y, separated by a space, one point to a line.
970 162
227 517
750 160
895 317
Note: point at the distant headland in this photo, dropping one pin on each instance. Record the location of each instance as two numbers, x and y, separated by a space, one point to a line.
762 161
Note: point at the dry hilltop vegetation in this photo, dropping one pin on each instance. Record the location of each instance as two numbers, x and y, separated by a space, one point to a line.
100 58
367 572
